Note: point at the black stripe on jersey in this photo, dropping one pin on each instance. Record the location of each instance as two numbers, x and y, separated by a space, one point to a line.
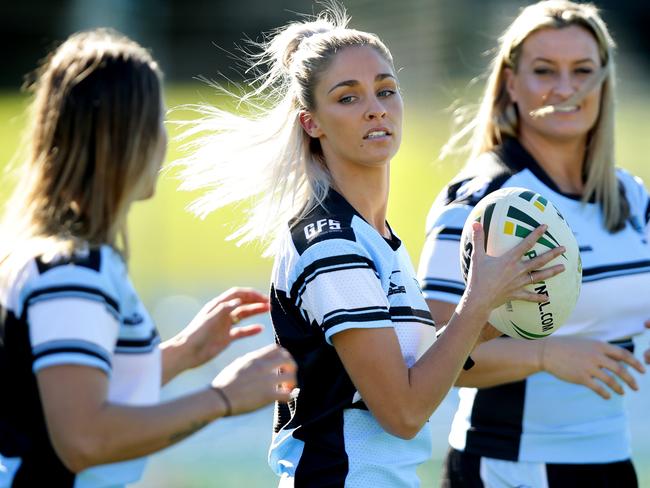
73 349
137 346
378 315
447 286
647 212
91 260
627 344
55 290
613 270
326 265
353 310
408 314
447 233
497 421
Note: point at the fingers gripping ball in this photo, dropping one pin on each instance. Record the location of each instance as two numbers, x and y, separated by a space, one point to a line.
508 215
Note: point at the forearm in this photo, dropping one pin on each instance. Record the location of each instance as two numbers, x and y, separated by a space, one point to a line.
174 358
503 360
117 432
435 373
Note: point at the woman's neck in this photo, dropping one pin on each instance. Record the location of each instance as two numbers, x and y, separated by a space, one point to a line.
366 189
562 160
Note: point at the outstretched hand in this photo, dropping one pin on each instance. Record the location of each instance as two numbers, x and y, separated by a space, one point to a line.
591 363
211 330
495 280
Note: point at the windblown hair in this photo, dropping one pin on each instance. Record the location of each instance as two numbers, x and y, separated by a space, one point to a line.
95 124
497 115
261 154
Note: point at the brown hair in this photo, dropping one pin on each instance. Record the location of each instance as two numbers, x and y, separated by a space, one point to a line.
95 124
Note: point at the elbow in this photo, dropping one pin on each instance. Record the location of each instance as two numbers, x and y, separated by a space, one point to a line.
77 455
404 425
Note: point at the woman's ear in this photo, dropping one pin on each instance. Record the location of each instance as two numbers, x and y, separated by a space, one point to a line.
309 124
510 76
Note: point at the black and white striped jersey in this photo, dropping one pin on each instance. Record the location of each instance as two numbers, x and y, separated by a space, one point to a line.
544 419
336 272
80 310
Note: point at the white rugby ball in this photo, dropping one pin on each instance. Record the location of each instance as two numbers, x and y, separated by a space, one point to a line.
508 215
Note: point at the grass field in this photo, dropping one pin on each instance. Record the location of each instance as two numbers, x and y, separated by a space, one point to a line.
193 250
178 261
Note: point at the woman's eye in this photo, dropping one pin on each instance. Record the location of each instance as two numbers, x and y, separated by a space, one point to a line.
386 93
584 71
347 99
543 71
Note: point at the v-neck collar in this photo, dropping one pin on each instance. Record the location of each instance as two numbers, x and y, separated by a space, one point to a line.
515 155
336 201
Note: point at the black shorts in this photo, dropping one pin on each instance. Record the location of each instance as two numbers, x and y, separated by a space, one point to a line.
464 470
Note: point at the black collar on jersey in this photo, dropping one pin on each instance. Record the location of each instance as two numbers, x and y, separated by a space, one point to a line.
515 155
335 202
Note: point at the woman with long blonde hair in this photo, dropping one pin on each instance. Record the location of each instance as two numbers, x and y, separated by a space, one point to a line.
314 156
549 412
81 360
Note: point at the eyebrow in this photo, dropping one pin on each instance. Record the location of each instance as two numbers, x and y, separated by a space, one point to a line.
550 61
379 77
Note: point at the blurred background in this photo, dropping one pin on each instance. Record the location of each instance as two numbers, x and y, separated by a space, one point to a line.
179 261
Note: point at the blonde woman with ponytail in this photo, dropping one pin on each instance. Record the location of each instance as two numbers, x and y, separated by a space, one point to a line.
549 413
312 157
80 359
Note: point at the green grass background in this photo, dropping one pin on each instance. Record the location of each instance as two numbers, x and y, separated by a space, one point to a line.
174 254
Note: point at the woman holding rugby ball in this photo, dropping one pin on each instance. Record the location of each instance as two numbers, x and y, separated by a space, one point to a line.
549 412
344 300
80 359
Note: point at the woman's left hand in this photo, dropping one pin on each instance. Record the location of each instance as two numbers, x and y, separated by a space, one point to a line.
211 330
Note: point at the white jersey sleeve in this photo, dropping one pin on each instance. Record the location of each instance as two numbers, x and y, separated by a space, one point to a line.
439 270
73 318
336 286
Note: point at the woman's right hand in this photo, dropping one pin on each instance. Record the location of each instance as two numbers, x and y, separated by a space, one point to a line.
257 378
590 363
494 280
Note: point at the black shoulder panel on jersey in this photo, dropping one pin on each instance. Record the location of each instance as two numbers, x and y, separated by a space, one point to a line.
91 260
330 220
482 176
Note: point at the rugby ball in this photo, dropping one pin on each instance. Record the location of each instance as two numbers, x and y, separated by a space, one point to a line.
508 215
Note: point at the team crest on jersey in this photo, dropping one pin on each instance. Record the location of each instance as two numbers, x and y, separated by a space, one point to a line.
321 226
393 287
133 319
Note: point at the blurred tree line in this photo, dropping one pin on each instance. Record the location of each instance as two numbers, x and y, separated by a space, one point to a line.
433 40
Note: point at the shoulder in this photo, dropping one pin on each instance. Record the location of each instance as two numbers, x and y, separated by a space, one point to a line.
91 274
632 185
481 176
330 221
326 240
636 194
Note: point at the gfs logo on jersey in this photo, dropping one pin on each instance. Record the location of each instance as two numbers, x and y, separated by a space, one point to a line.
320 227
